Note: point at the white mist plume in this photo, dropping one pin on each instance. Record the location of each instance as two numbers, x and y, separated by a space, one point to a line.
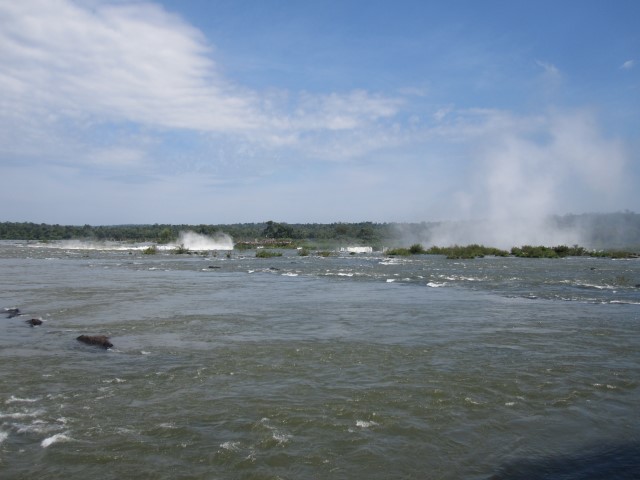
528 169
87 245
199 242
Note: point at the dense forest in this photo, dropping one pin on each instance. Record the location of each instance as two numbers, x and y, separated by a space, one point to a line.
611 230
364 232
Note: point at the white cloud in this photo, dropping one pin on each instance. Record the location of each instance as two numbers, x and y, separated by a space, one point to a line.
628 65
342 111
442 112
550 79
549 69
118 157
68 67
122 62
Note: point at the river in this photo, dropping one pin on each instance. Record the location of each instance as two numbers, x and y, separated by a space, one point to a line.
228 366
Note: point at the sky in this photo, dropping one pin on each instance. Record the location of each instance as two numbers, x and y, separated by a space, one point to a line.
220 111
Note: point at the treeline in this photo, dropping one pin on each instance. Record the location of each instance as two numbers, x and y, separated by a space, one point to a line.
602 230
368 233
597 231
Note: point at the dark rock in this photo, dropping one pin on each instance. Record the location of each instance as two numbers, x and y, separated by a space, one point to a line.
34 322
12 312
99 340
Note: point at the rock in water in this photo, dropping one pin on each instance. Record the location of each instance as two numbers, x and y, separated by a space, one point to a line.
34 322
99 340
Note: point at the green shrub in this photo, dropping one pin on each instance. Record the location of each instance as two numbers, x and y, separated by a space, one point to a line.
528 251
403 252
181 249
467 252
267 254
417 249
152 250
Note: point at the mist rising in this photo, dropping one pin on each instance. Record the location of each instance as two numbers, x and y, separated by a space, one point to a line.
523 171
593 231
199 242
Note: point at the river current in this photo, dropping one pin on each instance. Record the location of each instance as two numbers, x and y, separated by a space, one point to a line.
228 366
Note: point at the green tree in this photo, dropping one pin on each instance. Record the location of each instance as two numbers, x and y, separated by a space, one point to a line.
277 230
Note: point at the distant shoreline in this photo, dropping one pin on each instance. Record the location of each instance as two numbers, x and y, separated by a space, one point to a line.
596 231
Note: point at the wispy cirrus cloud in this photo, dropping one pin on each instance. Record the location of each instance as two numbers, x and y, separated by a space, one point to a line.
628 65
550 78
118 62
68 68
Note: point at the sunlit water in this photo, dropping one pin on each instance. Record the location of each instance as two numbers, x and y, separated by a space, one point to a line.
348 367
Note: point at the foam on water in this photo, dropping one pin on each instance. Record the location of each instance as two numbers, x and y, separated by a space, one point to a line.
58 437
231 446
366 423
21 415
14 399
37 426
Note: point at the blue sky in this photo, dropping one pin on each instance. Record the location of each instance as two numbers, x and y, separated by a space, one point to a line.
179 111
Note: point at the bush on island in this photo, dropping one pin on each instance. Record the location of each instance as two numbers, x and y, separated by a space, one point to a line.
181 249
417 249
403 252
267 254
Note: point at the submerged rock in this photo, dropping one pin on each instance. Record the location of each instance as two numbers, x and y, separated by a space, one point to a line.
34 322
99 340
12 312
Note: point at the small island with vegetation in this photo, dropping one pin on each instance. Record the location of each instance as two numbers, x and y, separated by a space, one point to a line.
525 251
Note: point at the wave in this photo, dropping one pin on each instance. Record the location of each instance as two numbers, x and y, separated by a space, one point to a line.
365 423
14 399
21 415
58 437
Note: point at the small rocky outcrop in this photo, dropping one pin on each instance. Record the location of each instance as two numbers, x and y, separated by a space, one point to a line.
34 322
12 312
98 340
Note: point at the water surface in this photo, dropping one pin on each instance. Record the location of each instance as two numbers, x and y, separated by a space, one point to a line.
354 366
